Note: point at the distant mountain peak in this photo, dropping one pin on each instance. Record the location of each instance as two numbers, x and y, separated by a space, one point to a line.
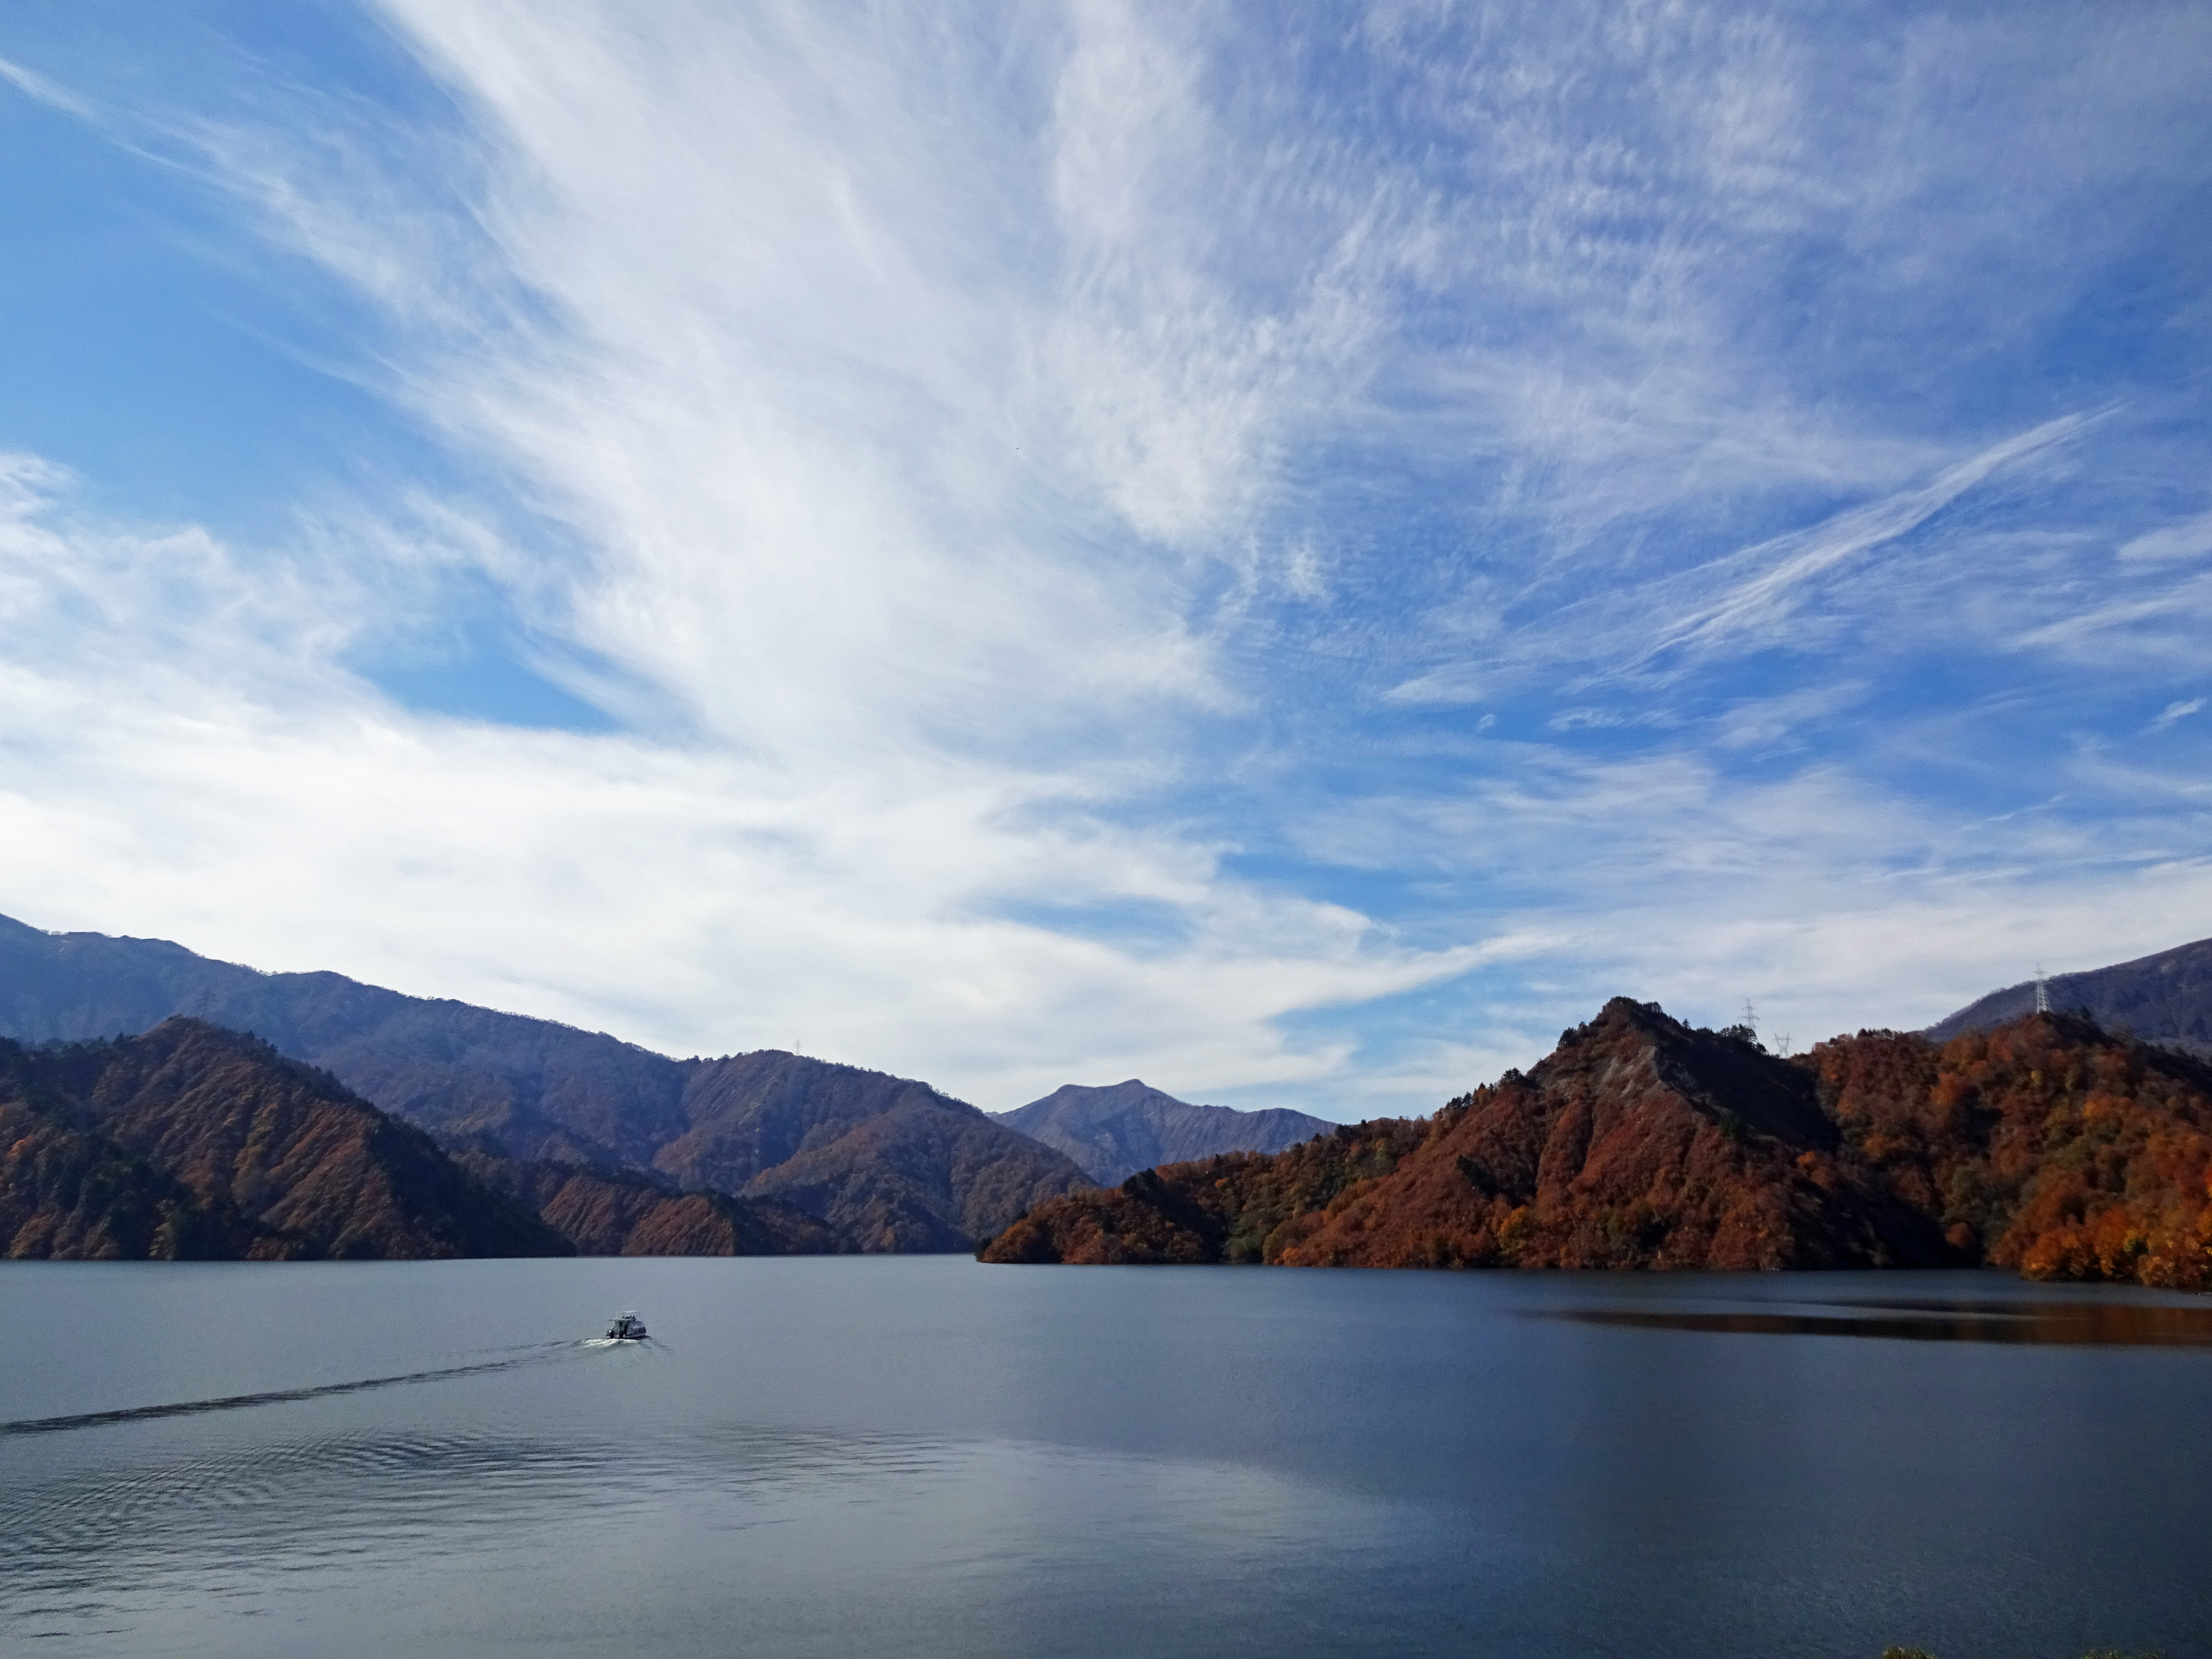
1115 1129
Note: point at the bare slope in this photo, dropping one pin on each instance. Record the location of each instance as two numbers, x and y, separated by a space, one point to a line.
2164 998
1115 1131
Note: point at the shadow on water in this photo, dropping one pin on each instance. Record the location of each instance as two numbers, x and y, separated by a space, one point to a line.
2043 1324
537 1354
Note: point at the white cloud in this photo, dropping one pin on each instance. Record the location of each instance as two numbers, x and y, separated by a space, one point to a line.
2175 711
183 760
35 86
2189 539
1830 900
997 465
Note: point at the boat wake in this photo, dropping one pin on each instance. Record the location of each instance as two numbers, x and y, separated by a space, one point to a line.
537 1354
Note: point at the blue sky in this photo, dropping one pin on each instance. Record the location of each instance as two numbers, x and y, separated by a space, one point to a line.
1287 554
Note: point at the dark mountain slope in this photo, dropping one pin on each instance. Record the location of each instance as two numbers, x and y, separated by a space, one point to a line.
1114 1131
314 1171
2164 998
889 1162
606 1212
2049 1145
542 1089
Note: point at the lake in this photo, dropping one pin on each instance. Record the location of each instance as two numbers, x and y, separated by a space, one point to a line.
922 1455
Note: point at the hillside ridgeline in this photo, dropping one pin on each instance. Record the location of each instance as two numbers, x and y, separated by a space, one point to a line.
610 1212
2049 1145
889 1163
190 1142
1115 1131
2165 998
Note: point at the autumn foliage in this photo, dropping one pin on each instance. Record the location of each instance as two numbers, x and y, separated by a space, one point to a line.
2048 1145
194 1141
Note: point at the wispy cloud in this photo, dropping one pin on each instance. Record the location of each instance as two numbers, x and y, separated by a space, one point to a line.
2190 538
1748 600
1760 589
33 85
1186 540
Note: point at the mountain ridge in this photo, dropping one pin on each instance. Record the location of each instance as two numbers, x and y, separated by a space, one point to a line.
1114 1130
603 1211
243 1153
937 1174
2049 1145
2164 998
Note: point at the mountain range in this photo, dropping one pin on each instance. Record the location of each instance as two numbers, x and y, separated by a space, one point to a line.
2047 1143
885 1163
1115 1131
360 1121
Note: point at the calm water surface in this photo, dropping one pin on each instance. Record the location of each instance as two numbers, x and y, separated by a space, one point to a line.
924 1456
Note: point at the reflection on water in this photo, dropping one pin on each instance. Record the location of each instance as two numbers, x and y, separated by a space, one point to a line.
2061 1324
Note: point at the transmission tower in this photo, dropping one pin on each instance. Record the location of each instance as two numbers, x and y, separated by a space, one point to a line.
2042 991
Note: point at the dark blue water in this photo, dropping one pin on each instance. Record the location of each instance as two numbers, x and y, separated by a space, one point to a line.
924 1456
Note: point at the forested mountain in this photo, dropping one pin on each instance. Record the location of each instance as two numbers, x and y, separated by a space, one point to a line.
608 1212
68 1194
541 1088
2165 998
194 1141
1114 1131
892 1163
2049 1145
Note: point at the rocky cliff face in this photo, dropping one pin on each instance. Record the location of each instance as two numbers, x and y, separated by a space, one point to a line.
1116 1131
2049 1145
896 1164
238 1151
